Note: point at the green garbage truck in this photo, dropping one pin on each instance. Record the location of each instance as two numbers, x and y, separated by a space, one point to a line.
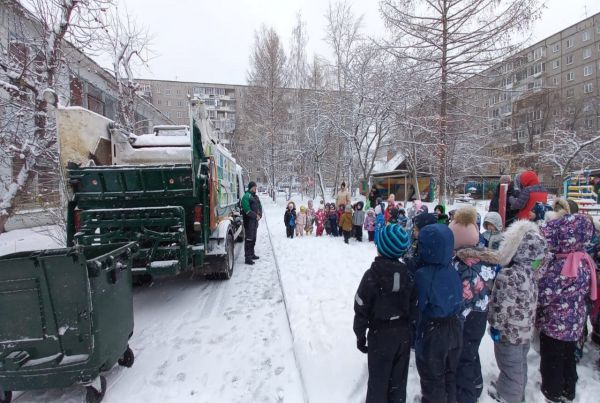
175 192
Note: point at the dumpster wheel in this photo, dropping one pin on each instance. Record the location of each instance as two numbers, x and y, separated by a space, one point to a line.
5 396
94 395
127 359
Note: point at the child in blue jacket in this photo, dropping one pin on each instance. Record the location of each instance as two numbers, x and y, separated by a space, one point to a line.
439 331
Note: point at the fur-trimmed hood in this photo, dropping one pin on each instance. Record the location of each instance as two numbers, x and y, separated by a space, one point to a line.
560 209
479 254
514 249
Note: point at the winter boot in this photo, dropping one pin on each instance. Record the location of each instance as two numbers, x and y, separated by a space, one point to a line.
255 257
249 261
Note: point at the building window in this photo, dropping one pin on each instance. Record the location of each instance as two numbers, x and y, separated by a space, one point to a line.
569 43
179 115
178 92
587 53
538 68
555 80
538 53
589 123
569 59
570 93
168 102
168 114
158 90
556 48
180 103
556 64
585 36
570 76
587 71
588 88
167 91
158 102
521 134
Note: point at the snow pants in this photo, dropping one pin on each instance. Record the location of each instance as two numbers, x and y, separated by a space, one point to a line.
512 362
469 380
438 353
371 235
347 235
250 229
289 231
388 358
319 229
558 368
299 230
358 232
333 226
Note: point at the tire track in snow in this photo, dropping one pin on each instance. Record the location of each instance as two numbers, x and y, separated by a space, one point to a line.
287 314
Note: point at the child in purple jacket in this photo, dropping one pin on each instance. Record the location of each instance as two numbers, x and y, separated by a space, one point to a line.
566 284
369 224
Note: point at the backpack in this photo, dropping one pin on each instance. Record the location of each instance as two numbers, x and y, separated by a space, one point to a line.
393 301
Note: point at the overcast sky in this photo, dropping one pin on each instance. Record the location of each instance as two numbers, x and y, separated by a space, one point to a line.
210 41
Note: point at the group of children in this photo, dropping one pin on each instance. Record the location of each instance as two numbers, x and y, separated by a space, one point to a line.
347 221
439 292
352 220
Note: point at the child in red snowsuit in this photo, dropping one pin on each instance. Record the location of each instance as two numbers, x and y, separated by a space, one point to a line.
320 217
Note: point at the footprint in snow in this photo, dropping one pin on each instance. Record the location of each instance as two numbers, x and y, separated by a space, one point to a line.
279 370
180 377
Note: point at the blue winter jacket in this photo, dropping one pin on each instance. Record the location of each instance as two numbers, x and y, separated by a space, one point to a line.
438 284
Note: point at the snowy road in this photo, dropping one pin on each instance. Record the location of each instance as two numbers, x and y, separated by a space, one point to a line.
205 341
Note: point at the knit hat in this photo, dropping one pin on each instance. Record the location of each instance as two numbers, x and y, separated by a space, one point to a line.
393 241
464 227
251 184
302 209
423 220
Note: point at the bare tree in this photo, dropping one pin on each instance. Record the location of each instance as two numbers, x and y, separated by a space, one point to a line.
343 34
449 41
266 106
32 67
127 43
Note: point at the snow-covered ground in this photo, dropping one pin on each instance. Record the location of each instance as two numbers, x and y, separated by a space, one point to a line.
199 341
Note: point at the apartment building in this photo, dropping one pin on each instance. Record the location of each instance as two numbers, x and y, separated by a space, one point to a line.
171 97
554 81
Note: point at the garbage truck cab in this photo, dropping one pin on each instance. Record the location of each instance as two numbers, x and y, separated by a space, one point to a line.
175 191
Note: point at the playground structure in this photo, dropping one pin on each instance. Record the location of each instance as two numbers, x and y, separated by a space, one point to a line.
579 188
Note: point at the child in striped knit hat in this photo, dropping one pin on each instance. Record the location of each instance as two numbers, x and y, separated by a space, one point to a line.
382 306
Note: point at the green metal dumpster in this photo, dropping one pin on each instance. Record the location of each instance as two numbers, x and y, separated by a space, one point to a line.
66 315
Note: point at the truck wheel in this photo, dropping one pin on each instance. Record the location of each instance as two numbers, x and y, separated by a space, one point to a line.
222 267
5 396
94 395
127 359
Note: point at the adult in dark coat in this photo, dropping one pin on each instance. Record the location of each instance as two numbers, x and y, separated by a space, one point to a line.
252 213
373 195
495 202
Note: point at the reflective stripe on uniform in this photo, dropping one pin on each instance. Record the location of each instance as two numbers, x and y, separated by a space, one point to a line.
358 300
396 287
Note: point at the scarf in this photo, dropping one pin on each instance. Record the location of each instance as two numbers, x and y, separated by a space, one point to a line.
571 268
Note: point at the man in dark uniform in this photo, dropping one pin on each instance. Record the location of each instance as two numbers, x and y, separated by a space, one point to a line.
252 211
